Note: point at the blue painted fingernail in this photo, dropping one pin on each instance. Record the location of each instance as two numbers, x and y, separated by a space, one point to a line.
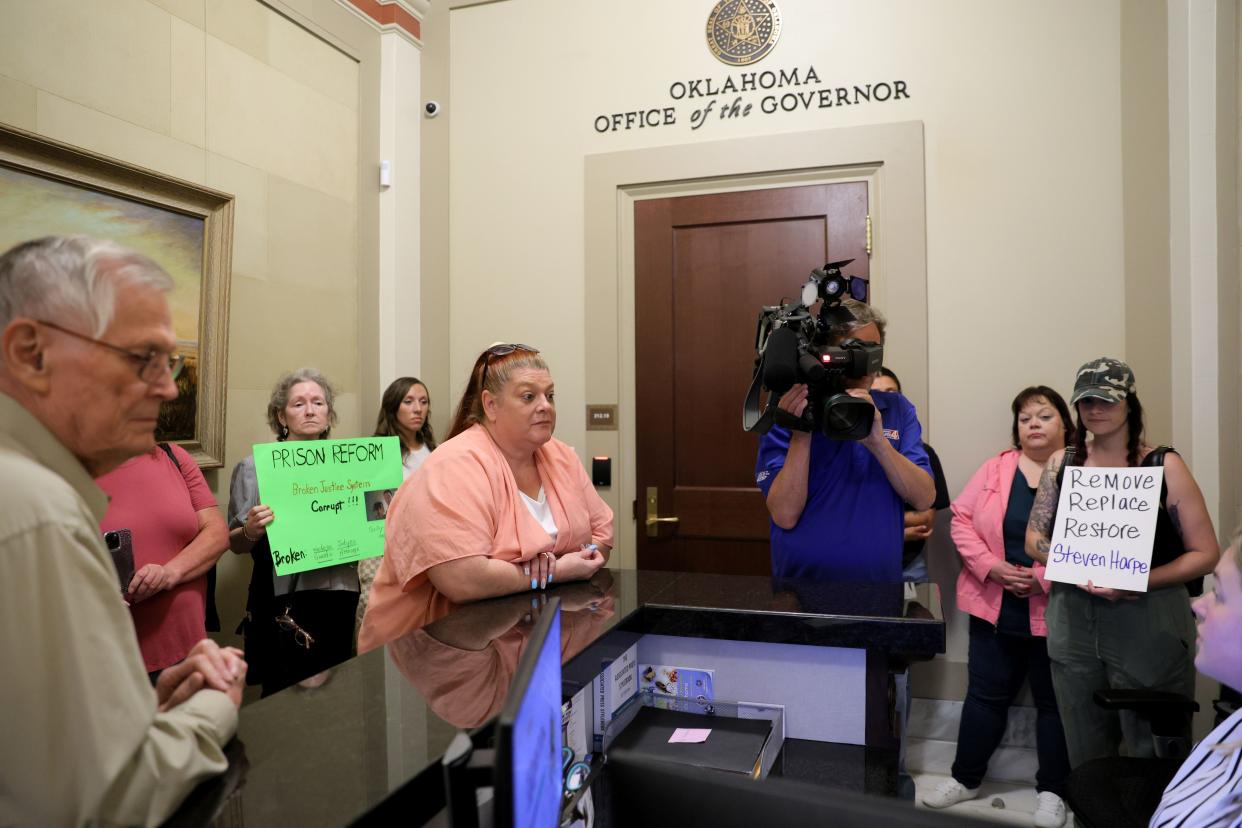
534 584
550 577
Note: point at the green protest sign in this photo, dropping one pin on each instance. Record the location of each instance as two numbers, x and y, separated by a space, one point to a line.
329 498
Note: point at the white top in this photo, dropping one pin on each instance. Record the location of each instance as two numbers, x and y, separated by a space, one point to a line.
1207 789
413 460
541 510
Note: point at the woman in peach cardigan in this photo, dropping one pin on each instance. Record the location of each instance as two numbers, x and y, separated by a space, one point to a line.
501 507
1001 588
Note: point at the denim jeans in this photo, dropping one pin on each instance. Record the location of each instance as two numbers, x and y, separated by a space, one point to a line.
916 572
998 665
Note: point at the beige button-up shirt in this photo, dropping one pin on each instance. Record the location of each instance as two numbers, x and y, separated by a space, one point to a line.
80 738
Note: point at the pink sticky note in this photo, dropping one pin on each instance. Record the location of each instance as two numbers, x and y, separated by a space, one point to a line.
690 734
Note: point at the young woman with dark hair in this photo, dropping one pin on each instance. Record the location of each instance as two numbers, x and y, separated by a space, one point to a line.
1101 638
405 412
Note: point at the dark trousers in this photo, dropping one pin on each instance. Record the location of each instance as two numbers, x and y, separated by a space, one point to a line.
997 666
1094 644
328 615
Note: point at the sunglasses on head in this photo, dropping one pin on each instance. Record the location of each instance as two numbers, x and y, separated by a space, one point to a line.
507 348
499 351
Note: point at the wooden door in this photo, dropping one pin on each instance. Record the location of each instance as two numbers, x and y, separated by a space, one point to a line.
704 266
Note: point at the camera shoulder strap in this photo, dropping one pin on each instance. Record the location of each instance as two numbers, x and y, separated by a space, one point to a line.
752 418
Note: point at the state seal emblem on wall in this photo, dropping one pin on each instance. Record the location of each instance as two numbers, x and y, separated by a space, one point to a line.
741 32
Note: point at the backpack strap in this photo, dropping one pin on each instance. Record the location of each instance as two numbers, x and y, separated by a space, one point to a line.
1070 458
213 615
168 450
1155 457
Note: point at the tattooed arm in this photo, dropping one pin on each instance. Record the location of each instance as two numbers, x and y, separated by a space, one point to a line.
1039 527
1192 521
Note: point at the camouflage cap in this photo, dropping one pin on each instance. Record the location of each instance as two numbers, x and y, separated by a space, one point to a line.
1104 379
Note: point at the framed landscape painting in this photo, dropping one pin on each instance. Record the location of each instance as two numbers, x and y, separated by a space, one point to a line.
49 188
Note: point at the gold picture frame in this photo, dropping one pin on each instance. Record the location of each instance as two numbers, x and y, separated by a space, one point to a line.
50 188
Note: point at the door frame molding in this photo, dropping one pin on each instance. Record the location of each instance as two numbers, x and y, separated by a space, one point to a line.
888 156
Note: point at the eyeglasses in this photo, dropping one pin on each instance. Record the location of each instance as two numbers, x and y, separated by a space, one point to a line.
499 351
300 636
150 366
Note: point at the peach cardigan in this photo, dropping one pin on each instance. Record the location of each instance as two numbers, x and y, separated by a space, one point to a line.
465 501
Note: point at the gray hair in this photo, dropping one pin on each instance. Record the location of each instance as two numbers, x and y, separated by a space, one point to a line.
863 314
280 398
73 280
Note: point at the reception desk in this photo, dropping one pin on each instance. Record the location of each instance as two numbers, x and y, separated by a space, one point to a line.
363 746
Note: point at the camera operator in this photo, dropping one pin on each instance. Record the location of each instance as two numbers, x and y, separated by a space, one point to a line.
838 506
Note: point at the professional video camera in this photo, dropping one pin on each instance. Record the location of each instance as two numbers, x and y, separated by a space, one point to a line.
792 347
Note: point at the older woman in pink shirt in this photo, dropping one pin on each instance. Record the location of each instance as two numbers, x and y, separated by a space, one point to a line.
501 507
1000 587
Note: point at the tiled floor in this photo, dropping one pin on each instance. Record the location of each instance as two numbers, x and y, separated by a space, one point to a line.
1001 802
1008 794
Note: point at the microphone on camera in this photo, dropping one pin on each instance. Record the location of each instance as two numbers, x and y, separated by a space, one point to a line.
780 360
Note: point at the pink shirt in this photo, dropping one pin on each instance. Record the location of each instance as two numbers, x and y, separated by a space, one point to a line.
159 505
464 501
978 532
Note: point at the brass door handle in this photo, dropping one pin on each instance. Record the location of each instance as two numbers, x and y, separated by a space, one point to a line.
654 520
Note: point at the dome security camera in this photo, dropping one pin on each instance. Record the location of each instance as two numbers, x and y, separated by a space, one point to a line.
432 108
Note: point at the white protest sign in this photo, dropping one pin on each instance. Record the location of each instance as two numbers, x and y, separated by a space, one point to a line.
1106 524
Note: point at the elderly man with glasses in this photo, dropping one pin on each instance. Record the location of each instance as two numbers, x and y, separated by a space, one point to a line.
86 358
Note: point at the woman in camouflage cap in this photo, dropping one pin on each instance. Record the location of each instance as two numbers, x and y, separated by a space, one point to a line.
1101 638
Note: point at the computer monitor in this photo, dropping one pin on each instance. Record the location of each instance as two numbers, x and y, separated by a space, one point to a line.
527 766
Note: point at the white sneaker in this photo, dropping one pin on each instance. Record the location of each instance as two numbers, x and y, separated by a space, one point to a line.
1049 811
950 792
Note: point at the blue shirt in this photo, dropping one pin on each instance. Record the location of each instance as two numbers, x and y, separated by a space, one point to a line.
852 525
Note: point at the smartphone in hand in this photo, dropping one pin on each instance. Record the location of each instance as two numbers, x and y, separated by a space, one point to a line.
120 545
